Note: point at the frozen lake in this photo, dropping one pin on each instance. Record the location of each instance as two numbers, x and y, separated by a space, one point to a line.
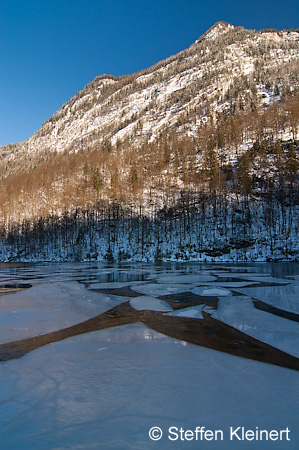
94 356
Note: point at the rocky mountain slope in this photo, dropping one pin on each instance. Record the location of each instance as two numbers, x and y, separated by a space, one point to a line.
226 70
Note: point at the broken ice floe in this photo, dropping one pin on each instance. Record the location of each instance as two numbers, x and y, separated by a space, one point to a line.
192 312
149 303
211 291
157 290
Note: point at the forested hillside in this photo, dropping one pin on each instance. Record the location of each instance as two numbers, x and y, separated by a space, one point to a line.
193 158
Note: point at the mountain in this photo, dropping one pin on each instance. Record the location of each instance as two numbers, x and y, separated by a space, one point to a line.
219 117
228 68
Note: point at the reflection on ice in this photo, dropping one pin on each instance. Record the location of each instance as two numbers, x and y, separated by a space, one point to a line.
116 285
259 278
196 279
283 297
239 312
230 284
132 334
293 277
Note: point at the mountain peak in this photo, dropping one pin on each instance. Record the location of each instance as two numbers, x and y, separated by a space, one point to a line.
216 30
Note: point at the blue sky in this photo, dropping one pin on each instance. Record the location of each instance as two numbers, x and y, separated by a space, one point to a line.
49 50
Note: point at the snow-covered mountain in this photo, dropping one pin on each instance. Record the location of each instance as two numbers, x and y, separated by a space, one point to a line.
196 157
227 69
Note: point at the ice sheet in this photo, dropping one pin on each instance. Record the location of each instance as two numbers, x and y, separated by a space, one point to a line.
49 307
106 389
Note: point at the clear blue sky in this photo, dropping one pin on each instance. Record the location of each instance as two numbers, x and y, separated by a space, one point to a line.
50 49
